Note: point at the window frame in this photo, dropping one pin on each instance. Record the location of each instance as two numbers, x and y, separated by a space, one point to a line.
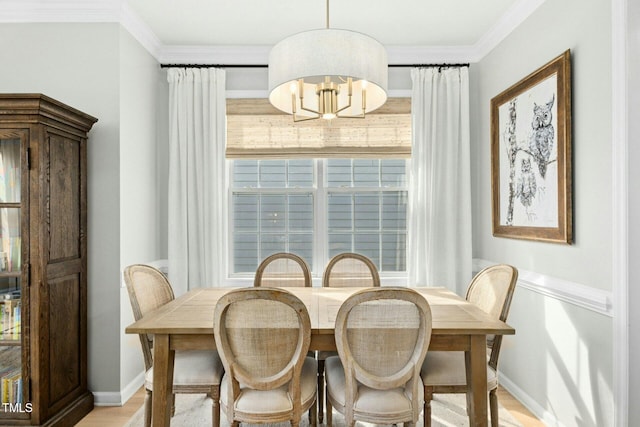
320 224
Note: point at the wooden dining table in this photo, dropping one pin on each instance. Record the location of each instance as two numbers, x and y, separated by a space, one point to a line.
187 324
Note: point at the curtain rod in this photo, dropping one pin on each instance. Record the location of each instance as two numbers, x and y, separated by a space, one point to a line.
265 66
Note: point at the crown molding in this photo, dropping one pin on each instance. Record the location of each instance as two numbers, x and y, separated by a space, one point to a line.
140 31
23 11
510 20
252 55
242 55
410 55
65 11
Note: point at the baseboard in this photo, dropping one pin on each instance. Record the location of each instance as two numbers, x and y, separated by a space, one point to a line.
577 294
528 402
121 397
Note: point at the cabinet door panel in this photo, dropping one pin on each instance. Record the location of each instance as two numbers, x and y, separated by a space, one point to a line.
64 331
64 292
64 198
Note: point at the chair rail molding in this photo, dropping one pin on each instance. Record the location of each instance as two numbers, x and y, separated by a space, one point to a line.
574 293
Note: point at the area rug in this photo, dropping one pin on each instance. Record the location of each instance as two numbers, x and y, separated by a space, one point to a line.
194 410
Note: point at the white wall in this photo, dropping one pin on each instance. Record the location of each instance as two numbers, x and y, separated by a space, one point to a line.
162 156
78 64
140 226
101 70
633 57
560 360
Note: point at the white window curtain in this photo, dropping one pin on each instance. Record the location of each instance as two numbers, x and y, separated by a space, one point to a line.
439 251
197 193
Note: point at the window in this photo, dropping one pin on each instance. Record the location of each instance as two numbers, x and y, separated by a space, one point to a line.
272 210
317 209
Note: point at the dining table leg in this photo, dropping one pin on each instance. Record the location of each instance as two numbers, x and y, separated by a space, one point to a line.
163 359
476 369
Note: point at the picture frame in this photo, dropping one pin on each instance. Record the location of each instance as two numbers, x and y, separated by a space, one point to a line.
531 156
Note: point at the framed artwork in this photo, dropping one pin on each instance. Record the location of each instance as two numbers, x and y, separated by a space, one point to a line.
531 156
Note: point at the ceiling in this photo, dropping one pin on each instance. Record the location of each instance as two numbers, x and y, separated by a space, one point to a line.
265 22
243 31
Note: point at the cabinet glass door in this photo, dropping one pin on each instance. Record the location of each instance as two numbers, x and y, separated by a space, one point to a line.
11 308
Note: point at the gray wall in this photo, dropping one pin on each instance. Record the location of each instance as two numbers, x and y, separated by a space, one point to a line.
553 354
142 84
78 65
633 57
101 70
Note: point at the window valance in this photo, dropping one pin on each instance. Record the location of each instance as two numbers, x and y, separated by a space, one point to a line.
256 130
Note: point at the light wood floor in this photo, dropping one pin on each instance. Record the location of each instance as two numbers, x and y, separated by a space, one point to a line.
117 416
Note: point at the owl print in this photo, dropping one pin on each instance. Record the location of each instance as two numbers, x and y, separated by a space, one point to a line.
526 188
542 135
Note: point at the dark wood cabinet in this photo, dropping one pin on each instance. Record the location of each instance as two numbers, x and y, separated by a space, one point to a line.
43 261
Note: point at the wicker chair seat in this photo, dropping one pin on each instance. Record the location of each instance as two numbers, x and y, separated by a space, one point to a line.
446 368
370 403
196 368
325 354
276 401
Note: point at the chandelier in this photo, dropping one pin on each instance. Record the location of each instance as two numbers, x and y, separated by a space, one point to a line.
328 73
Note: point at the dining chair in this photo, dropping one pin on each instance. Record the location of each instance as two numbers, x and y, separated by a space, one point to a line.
263 335
350 270
283 269
382 336
344 270
444 371
195 371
